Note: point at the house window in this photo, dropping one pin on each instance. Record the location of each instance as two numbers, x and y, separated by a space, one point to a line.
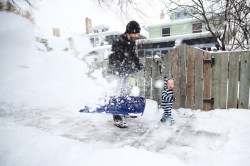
165 32
197 27
164 52
92 40
104 30
96 41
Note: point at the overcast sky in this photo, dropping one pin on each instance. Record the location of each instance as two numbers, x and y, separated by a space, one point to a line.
69 15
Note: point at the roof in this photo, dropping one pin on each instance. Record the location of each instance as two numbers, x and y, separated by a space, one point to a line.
174 38
106 33
171 22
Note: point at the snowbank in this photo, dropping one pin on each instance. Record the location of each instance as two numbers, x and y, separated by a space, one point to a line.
48 79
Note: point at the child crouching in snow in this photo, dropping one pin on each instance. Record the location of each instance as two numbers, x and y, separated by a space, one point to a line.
167 101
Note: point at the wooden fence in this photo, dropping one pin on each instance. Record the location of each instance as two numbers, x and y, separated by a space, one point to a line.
203 80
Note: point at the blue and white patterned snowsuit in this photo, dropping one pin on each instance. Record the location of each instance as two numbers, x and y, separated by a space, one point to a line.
167 101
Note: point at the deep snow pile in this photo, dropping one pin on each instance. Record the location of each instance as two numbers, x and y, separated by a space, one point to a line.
47 79
41 93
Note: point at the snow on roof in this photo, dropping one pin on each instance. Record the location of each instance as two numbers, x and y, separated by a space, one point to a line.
113 30
101 48
166 22
106 33
173 38
100 27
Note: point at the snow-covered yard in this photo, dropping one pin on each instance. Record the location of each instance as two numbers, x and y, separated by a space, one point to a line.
41 93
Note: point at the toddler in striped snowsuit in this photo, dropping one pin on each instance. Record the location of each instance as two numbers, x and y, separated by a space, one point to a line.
167 101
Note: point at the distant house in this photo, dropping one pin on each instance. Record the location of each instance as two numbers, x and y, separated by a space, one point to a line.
101 39
179 29
102 35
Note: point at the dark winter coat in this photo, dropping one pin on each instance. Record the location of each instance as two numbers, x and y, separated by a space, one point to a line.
123 60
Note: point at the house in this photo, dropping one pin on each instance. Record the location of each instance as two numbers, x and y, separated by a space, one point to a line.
102 35
101 38
179 29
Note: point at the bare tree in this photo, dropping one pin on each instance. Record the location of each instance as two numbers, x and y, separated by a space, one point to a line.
127 9
227 20
20 7
239 19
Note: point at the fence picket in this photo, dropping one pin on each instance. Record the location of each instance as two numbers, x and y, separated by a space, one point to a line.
190 78
207 82
244 80
176 76
233 79
198 79
183 75
140 82
156 75
167 63
216 80
148 76
223 80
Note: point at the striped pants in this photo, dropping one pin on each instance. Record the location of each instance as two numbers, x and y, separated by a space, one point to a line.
167 107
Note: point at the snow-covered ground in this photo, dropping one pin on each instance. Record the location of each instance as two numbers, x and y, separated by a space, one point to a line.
41 93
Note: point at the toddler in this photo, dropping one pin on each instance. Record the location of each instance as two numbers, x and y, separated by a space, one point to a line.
167 101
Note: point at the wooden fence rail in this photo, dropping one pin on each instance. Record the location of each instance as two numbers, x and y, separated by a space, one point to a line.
203 80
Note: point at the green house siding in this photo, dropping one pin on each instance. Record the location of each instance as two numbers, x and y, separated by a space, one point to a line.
175 29
180 29
154 32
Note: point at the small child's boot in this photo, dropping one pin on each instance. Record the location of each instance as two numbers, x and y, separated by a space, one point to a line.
168 120
163 118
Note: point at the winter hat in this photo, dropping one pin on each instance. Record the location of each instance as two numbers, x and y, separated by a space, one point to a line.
166 78
133 27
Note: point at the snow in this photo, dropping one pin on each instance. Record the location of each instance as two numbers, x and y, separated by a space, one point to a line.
41 93
177 38
168 21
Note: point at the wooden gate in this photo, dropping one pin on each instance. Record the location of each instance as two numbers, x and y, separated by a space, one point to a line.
203 80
